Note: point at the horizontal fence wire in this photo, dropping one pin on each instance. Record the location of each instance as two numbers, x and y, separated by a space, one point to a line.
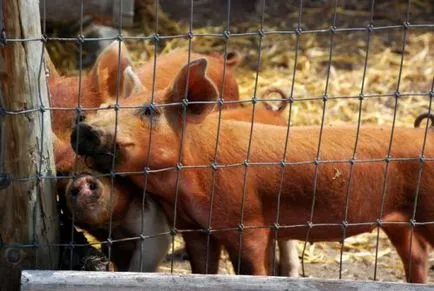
291 98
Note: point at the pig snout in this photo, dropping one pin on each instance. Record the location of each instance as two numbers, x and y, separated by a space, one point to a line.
86 188
92 143
85 139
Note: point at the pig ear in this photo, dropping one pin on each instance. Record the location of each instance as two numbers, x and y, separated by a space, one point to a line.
131 83
233 59
105 71
197 88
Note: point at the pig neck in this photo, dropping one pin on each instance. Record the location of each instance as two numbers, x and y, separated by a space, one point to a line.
198 149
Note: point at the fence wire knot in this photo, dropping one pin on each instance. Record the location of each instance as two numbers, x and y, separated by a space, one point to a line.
214 166
333 29
388 159
184 102
5 181
2 111
298 31
71 245
413 223
80 39
220 102
276 226
379 222
422 159
206 230
156 37
3 38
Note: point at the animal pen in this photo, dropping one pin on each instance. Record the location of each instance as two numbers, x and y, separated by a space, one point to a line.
353 63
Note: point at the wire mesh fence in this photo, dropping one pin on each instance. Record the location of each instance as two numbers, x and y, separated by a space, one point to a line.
160 140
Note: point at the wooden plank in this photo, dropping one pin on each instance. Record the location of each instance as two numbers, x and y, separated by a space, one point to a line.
93 281
10 277
28 205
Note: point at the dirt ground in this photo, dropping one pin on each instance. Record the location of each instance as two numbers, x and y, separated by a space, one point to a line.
321 260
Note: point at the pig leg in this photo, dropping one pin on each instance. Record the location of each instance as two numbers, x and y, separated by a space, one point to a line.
196 247
288 258
152 251
255 251
417 254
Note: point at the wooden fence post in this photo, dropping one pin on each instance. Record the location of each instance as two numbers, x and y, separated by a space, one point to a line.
28 214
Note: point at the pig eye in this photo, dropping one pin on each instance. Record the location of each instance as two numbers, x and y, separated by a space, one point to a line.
148 110
92 186
74 192
79 117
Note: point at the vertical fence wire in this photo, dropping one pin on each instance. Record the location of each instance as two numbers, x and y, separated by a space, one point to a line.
80 40
145 170
388 157
317 157
290 99
356 143
42 111
214 163
260 36
114 148
413 222
179 165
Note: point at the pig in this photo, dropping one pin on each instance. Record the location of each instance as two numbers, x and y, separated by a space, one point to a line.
94 203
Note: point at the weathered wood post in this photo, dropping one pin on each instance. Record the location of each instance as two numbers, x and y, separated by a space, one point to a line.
28 214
